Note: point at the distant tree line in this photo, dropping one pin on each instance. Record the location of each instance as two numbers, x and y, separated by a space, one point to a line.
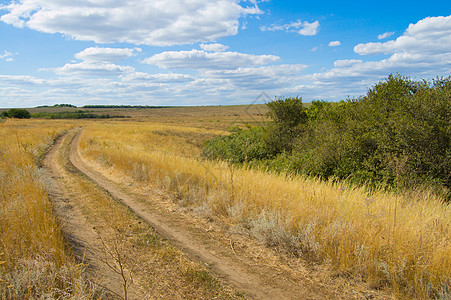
73 115
103 106
123 106
56 105
396 136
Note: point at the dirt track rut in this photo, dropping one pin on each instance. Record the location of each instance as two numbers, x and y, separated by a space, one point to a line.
82 238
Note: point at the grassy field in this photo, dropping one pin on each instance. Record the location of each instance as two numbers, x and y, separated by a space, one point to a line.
396 242
34 261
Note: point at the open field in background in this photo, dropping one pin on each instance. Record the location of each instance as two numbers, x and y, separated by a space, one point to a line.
212 117
400 242
394 242
34 261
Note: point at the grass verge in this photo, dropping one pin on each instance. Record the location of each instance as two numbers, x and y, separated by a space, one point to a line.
401 242
34 260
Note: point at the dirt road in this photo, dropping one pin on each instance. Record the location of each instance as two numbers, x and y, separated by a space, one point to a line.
232 259
83 240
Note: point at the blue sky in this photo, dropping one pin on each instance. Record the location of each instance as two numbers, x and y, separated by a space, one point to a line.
207 52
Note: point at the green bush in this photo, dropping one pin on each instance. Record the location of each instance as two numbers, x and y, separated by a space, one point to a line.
398 135
238 147
18 113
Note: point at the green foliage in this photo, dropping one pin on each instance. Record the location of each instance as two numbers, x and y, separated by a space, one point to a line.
18 113
238 147
398 135
289 115
287 112
4 114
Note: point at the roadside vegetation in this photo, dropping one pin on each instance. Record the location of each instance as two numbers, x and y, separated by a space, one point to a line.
34 261
396 137
392 241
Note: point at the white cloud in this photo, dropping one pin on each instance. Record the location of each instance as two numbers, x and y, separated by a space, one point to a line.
385 35
429 36
259 78
99 62
96 54
22 80
346 63
150 22
423 51
215 75
334 43
197 59
302 28
158 78
7 56
214 47
93 69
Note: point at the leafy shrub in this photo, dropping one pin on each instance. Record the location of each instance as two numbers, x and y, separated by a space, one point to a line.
398 135
238 147
18 113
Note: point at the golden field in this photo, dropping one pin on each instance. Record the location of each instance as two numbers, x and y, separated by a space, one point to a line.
34 261
396 242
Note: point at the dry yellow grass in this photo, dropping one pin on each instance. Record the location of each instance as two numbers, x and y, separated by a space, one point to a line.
401 242
34 262
150 267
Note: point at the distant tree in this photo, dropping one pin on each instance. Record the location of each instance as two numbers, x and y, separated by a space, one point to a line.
19 113
4 114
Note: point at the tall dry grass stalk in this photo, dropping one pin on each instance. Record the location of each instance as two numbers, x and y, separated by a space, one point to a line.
34 262
397 241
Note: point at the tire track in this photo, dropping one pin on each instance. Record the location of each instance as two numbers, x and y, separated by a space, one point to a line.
255 281
83 240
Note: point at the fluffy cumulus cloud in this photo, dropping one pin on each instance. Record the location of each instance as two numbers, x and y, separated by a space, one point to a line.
301 27
93 69
429 36
198 59
334 43
96 61
150 22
